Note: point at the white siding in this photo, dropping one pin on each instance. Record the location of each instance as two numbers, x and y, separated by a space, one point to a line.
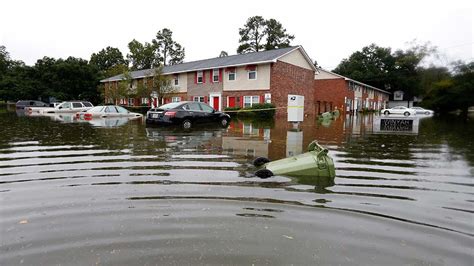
182 82
242 82
296 58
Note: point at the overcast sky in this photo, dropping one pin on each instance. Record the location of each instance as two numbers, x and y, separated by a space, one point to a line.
328 30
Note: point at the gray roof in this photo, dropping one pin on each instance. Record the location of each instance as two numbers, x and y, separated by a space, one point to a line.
218 62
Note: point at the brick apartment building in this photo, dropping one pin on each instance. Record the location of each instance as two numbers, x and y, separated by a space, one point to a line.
234 81
332 91
261 77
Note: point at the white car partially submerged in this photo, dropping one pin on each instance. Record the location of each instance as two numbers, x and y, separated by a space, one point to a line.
64 107
107 111
399 110
422 111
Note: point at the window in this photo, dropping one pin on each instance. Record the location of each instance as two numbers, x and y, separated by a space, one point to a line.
175 99
198 99
215 75
231 75
199 77
110 109
251 100
176 80
130 101
144 83
144 100
77 105
194 107
252 73
206 108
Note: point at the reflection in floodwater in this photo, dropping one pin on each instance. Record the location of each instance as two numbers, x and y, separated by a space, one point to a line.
72 193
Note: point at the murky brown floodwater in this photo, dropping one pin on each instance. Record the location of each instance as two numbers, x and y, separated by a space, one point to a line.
120 193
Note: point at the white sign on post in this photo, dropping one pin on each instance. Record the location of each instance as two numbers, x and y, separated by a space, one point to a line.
295 108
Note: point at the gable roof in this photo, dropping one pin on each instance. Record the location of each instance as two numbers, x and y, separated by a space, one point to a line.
349 79
254 58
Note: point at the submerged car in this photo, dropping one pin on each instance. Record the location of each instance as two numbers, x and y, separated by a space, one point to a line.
107 111
422 111
64 107
30 103
398 110
186 114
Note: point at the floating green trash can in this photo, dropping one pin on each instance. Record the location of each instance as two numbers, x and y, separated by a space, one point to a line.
315 163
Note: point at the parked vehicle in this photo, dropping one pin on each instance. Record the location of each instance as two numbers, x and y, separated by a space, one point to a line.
186 114
423 111
30 103
399 110
107 111
64 107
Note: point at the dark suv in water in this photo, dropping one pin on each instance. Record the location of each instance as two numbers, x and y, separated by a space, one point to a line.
30 103
186 115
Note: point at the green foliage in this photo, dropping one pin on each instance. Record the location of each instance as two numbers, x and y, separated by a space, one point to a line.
168 51
379 67
72 78
259 34
107 58
162 84
456 93
257 112
141 56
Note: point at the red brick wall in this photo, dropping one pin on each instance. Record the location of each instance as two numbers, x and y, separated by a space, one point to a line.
290 79
331 91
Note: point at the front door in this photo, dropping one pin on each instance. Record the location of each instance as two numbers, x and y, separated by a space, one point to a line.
231 102
215 102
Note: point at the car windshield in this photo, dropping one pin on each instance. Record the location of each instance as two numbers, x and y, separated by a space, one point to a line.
170 106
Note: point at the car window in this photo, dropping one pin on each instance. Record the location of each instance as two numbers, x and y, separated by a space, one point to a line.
77 105
65 105
96 109
170 106
206 108
87 104
121 110
110 109
194 106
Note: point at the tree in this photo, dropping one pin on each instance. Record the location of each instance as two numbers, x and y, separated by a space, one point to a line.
456 93
168 51
107 58
141 56
162 84
251 35
223 54
259 34
276 35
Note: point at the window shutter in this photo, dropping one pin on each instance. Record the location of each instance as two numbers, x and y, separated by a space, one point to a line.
195 77
211 76
190 98
220 75
205 99
204 76
241 101
262 99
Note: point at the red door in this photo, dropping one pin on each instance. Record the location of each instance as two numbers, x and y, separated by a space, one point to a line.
231 102
215 101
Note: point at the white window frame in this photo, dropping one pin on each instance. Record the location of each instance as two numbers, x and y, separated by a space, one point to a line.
251 100
232 72
200 74
144 100
176 80
250 71
214 72
198 99
175 99
132 101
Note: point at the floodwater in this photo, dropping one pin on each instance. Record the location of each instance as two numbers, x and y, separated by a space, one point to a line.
120 193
